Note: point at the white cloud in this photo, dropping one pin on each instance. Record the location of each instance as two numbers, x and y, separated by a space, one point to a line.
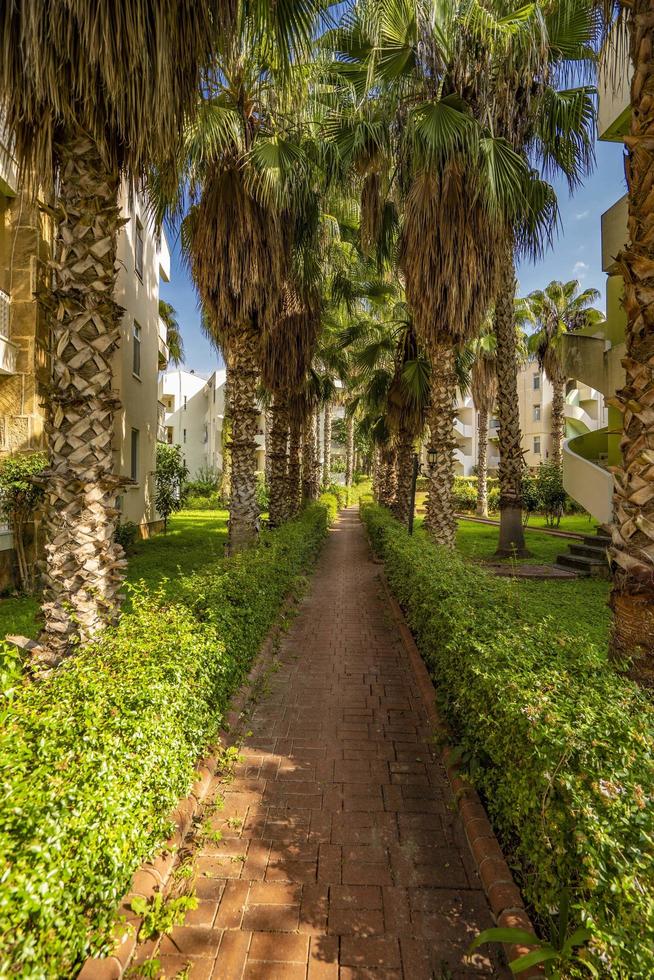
580 215
580 269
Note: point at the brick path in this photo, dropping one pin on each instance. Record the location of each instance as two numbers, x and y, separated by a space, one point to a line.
342 854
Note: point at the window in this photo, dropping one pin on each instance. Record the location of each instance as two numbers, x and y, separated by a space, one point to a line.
134 456
537 445
169 435
206 433
136 353
537 382
184 435
184 402
536 413
138 249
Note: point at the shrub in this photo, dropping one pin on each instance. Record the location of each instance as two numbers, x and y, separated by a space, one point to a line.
493 499
214 502
530 496
340 493
96 755
20 498
557 742
206 482
263 500
464 495
549 481
169 481
126 534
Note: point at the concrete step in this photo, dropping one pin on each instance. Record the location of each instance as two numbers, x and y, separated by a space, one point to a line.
589 550
589 567
596 541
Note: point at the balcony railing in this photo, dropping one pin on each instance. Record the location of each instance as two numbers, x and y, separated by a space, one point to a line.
161 419
164 353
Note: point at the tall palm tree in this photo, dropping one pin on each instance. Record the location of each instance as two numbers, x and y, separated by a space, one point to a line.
92 94
555 311
248 189
632 546
483 387
174 338
423 133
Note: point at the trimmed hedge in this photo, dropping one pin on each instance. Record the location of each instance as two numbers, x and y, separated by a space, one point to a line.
561 746
95 757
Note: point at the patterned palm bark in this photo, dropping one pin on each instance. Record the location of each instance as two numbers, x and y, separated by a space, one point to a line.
632 549
317 468
278 462
388 481
294 489
440 520
558 419
402 505
243 376
84 567
309 488
327 444
482 465
349 451
512 537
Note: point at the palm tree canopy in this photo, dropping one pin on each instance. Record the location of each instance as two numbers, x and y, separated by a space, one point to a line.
124 72
174 339
559 309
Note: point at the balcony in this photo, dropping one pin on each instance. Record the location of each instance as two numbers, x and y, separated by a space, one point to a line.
462 430
162 435
614 90
164 353
494 429
8 350
614 233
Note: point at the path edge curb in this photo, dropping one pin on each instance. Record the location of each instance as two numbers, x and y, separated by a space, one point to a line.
496 877
153 876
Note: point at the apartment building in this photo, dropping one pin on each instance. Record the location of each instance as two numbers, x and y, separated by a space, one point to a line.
595 356
584 413
194 416
26 236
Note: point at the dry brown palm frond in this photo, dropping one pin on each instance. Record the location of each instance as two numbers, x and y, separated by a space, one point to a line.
449 256
483 383
238 252
289 341
124 72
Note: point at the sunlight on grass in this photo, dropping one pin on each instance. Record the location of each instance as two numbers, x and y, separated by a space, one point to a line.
194 538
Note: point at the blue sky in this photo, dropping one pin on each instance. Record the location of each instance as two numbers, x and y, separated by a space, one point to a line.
576 253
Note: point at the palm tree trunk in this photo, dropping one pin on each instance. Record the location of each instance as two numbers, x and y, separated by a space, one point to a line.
402 506
389 476
327 445
226 441
317 469
376 473
277 456
243 374
268 426
482 464
308 457
440 520
558 420
349 450
512 537
632 548
294 490
84 566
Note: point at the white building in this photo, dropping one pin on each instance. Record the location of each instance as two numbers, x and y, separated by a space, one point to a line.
194 415
584 412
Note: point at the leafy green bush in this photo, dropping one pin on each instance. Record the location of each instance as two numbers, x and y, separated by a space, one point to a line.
125 534
214 502
263 499
169 481
95 756
560 745
20 498
206 482
464 495
549 482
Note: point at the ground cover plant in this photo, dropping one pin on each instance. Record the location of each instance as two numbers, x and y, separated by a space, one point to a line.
559 744
94 757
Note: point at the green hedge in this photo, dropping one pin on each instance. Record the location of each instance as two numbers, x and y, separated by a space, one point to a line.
94 758
560 746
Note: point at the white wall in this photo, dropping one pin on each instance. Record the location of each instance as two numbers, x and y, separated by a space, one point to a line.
186 397
139 296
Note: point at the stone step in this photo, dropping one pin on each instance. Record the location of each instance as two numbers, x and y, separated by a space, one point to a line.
589 550
589 567
596 541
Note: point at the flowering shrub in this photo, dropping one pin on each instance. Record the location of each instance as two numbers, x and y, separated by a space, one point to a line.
95 757
560 746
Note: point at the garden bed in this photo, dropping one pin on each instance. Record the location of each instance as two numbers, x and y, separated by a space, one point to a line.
95 757
559 745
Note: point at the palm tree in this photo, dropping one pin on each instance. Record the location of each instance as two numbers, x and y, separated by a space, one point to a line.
483 387
174 338
248 187
632 547
87 104
424 134
557 310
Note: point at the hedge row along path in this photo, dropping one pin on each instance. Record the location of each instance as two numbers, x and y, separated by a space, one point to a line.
351 860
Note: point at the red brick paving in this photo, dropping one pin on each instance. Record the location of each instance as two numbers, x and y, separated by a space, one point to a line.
350 861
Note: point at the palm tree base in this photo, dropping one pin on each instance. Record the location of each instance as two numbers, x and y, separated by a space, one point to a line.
632 638
511 543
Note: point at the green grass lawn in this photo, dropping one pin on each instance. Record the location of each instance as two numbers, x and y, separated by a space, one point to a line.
194 538
578 604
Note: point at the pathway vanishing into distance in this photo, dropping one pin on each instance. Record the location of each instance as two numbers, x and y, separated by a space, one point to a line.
342 855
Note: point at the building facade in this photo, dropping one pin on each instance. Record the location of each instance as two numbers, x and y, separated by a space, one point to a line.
584 413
